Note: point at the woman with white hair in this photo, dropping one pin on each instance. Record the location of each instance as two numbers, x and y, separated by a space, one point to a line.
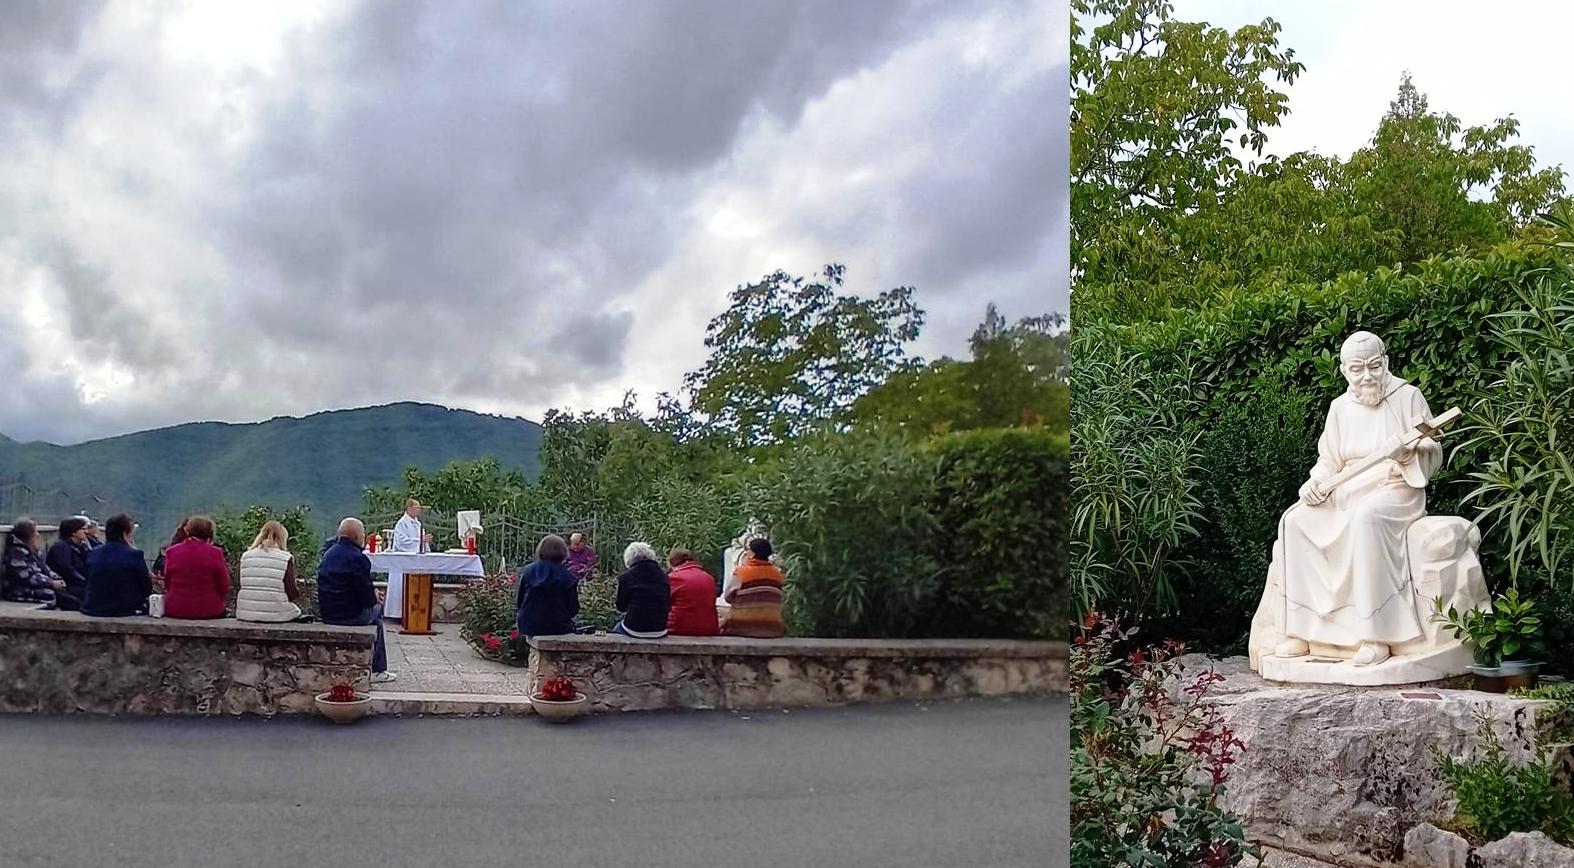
643 594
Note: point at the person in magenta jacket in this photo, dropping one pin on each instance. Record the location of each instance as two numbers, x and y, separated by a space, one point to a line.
196 579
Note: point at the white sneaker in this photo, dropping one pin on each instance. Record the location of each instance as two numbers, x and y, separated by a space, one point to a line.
1292 647
384 677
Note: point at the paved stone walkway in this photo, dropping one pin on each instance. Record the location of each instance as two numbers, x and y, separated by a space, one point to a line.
439 674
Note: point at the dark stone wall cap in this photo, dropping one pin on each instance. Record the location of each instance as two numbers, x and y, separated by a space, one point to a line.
801 647
27 616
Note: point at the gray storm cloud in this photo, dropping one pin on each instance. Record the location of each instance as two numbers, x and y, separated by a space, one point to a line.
496 205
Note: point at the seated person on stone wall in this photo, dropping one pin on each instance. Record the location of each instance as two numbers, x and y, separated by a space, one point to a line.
267 578
67 558
548 595
196 578
23 576
176 538
118 583
644 595
346 595
693 608
756 600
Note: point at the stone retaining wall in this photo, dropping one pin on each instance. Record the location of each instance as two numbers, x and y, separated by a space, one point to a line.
622 674
65 662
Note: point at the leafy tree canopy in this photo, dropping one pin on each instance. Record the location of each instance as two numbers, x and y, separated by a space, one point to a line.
1016 377
1166 216
789 355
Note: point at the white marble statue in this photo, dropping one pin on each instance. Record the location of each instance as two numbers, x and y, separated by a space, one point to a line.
1357 563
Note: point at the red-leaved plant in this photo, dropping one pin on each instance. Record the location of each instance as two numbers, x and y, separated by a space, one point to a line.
342 692
1150 754
559 689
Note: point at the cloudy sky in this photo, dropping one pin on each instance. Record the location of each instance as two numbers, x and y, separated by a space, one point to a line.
1479 61
235 211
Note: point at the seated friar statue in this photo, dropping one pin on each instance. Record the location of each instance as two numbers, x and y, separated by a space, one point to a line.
1358 562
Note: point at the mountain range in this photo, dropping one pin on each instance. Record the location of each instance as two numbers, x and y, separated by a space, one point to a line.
324 461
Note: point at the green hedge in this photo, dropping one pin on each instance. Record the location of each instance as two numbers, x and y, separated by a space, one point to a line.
1257 372
1000 502
962 535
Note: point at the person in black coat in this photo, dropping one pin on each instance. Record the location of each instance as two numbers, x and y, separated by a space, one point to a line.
118 582
346 595
548 596
67 558
644 594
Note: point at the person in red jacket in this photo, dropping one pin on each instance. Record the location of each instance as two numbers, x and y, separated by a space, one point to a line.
693 608
196 579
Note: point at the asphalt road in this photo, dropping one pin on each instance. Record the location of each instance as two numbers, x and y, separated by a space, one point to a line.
980 783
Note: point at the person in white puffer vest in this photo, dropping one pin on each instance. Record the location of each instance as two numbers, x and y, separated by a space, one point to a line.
267 578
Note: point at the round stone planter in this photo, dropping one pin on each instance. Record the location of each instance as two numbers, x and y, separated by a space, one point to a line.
560 711
1506 676
345 712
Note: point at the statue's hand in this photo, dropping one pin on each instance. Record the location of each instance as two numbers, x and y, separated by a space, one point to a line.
1312 493
1399 450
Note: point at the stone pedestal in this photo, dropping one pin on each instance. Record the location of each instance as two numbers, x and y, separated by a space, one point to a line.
1341 772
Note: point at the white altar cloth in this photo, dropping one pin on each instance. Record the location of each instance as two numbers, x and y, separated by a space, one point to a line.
399 564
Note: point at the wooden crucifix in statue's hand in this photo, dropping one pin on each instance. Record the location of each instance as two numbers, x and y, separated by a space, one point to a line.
1428 429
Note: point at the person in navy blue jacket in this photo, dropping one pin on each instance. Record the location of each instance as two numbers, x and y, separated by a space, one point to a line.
345 593
118 583
548 596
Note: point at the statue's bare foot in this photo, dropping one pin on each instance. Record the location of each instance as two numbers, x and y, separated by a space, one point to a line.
1292 648
1370 653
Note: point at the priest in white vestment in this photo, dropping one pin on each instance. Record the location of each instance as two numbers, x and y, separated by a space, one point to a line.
1343 555
408 536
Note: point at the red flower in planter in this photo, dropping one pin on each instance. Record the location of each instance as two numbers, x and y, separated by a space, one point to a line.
492 642
513 635
341 692
560 689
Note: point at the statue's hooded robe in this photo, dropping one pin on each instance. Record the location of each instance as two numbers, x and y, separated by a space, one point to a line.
1344 564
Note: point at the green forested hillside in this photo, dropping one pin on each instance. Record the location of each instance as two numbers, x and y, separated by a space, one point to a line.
323 460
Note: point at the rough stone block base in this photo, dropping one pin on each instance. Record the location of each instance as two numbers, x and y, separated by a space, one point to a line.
1342 773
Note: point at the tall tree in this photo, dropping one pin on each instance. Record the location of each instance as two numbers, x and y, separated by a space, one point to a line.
1164 214
1016 377
790 354
1158 110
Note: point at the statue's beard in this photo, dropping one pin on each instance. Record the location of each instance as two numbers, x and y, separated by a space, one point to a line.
1367 394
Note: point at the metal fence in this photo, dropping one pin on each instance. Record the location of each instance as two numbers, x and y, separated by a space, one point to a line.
507 540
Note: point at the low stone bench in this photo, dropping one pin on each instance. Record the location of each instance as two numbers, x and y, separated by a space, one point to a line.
66 662
623 674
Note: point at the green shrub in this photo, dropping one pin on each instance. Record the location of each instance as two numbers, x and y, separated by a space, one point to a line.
1150 756
1497 795
596 598
488 615
851 520
999 502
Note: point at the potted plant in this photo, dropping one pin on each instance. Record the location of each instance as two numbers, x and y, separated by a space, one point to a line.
558 701
1505 640
343 703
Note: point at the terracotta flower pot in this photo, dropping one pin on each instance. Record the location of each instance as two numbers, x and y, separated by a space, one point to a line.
559 711
345 712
